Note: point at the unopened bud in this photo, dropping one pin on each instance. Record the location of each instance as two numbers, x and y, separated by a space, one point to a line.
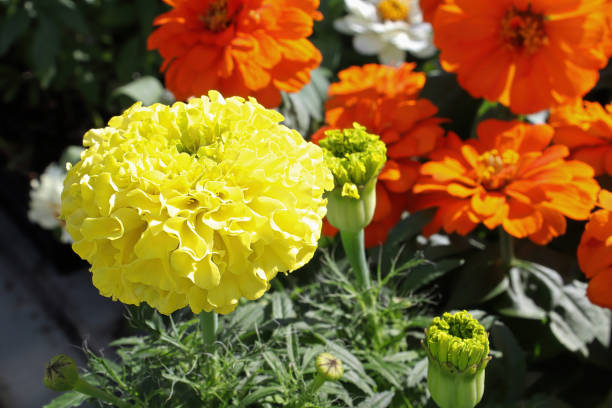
61 373
329 367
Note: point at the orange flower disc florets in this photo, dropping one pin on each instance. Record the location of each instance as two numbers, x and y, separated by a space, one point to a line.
507 177
385 100
238 47
586 129
528 55
523 30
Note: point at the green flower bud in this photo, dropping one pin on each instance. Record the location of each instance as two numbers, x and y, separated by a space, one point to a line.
458 351
329 367
61 373
355 157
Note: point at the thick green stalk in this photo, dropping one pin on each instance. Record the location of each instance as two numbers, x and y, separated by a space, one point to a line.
209 322
86 388
506 249
353 243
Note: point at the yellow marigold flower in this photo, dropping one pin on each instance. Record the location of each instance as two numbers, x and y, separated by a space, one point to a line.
195 204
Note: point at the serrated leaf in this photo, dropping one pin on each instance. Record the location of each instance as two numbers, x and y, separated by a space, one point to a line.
247 317
357 380
519 304
565 334
67 400
12 27
384 369
146 89
418 372
259 394
282 306
378 400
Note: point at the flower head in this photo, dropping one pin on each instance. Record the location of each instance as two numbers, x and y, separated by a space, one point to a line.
195 204
507 177
586 129
329 366
355 157
528 55
458 351
388 28
45 199
595 252
385 101
239 47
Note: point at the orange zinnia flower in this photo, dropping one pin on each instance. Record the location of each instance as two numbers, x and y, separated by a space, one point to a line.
507 177
595 252
385 100
586 129
428 8
238 47
528 55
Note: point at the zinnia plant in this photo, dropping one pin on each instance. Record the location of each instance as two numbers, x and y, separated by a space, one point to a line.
239 47
385 101
507 177
528 55
195 204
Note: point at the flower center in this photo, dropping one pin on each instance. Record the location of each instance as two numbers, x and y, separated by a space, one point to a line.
392 10
496 168
524 30
216 17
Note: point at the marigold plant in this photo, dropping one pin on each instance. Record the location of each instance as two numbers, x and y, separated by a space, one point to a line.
507 177
595 252
385 100
195 204
586 129
239 47
528 55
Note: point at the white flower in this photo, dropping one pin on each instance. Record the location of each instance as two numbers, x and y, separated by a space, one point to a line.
45 199
388 28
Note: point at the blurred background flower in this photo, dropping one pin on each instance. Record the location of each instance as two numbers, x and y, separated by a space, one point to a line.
387 28
45 200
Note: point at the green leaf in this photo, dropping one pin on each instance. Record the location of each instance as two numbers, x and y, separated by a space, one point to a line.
425 273
511 369
282 306
418 373
517 303
384 369
259 394
12 27
247 317
378 400
146 89
67 400
45 46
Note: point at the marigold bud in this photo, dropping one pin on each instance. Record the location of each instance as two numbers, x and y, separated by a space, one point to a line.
61 373
458 350
355 157
329 367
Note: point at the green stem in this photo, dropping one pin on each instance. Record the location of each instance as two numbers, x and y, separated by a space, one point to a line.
86 388
209 322
353 243
506 249
316 383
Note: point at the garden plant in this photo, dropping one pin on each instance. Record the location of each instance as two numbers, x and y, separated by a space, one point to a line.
322 203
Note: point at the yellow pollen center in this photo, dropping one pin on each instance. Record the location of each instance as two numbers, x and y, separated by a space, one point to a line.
216 17
524 30
392 10
497 168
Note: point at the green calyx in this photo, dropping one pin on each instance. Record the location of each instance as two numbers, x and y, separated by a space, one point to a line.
61 373
354 156
458 350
